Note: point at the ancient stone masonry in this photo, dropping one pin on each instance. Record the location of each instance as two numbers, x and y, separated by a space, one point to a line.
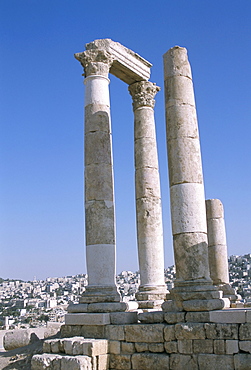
100 58
99 189
152 290
195 329
158 341
217 248
193 288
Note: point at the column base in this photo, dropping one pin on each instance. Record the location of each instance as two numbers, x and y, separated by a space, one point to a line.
198 295
100 294
229 292
151 293
99 307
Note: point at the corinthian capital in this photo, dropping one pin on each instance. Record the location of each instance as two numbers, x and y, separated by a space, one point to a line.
95 62
143 94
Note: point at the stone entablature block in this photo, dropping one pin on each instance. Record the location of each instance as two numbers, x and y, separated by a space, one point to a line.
127 65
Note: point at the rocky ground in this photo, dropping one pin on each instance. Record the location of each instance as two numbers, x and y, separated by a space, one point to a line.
20 358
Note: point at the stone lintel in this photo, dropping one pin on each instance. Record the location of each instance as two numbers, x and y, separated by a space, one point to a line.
128 66
87 319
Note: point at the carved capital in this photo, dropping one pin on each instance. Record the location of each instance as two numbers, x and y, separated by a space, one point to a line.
143 94
95 62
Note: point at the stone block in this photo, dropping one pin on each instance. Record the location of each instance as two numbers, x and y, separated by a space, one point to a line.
95 347
245 345
186 119
100 215
248 315
47 346
185 346
93 331
55 346
145 152
216 362
180 89
150 361
143 122
87 319
114 347
98 148
228 316
70 330
203 346
181 362
75 363
119 318
144 333
103 362
190 331
151 317
147 182
107 307
219 347
232 346
77 347
98 182
204 304
171 347
221 331
18 338
150 302
184 167
176 63
245 331
156 347
174 317
68 346
120 362
45 361
115 332
242 361
188 219
172 306
141 347
97 118
127 65
127 347
202 316
169 333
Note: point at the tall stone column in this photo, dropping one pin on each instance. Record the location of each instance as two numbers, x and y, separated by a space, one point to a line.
152 290
99 188
217 248
193 288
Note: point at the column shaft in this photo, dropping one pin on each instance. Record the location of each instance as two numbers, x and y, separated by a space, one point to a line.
217 248
99 188
188 211
148 201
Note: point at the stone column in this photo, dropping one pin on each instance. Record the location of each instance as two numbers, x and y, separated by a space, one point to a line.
99 188
193 288
217 248
152 290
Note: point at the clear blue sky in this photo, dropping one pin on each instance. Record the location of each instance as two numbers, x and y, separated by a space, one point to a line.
41 110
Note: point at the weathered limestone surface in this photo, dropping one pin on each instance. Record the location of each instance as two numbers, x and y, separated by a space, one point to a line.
217 248
99 192
18 338
127 65
148 199
188 211
184 345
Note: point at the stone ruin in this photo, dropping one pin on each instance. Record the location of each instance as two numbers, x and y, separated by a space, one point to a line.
195 325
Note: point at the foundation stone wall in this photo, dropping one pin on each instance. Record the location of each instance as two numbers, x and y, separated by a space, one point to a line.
158 340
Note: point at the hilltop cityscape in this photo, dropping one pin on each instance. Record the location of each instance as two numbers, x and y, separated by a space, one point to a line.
34 303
